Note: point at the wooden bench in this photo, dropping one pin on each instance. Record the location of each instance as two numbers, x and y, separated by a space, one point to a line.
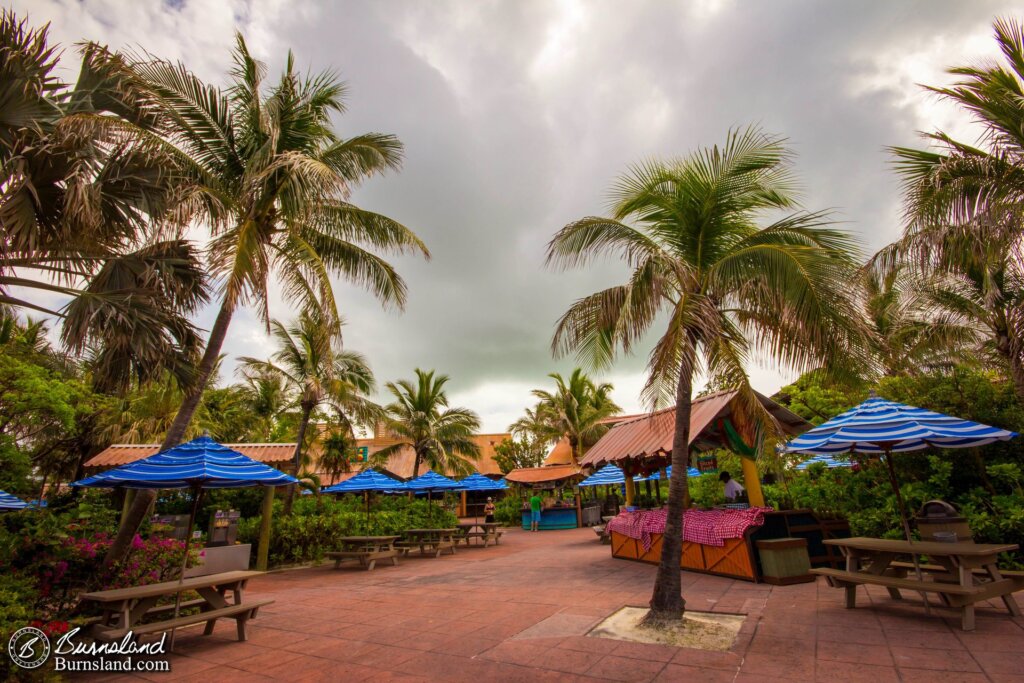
241 613
367 558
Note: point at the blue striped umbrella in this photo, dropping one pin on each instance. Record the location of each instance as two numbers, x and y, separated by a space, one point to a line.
367 480
690 472
887 427
432 481
609 474
478 482
199 464
9 502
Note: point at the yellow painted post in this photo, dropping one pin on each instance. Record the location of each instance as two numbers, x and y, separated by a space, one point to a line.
753 482
630 489
263 549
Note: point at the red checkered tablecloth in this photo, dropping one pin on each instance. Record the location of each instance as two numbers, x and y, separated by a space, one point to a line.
707 527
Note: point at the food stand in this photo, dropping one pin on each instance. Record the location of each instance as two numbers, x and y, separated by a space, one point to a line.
556 513
718 541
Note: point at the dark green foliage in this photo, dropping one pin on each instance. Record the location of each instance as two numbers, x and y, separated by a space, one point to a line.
306 534
509 511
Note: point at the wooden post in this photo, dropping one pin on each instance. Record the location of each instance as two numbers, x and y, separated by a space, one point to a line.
263 549
462 505
579 510
630 490
753 481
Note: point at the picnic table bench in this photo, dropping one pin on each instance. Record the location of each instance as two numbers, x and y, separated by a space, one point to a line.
485 532
124 609
428 541
969 573
366 550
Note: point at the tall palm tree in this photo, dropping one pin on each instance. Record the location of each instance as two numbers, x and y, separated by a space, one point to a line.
965 203
911 325
535 425
576 409
273 180
92 209
725 286
317 371
421 419
266 394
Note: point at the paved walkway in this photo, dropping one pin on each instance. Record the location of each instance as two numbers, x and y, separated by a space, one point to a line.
518 612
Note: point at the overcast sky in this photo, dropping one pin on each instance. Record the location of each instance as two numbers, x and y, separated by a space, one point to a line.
517 116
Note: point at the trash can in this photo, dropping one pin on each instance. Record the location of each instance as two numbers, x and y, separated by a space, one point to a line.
784 561
939 521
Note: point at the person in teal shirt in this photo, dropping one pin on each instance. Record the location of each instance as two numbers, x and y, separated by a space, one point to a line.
535 503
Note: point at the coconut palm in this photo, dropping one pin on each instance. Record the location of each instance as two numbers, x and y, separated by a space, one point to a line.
535 426
92 212
273 181
441 437
316 372
965 203
265 392
576 410
911 322
725 287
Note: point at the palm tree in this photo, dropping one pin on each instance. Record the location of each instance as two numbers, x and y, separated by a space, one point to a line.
909 326
317 371
420 418
92 209
576 409
265 391
726 288
964 203
272 179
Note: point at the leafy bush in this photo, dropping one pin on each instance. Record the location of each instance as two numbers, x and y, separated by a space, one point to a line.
308 533
509 511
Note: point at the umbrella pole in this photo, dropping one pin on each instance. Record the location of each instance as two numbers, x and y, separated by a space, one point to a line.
906 525
196 497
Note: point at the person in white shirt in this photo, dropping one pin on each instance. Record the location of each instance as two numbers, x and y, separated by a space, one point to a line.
732 487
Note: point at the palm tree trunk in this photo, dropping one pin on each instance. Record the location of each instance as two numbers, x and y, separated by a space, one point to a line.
140 506
416 465
307 410
667 602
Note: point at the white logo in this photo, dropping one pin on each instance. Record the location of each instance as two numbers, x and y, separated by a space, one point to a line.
29 648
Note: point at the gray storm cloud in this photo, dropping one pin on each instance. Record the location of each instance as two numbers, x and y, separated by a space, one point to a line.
517 116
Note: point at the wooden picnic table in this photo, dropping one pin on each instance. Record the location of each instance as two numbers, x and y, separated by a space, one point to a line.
123 609
483 531
962 574
428 540
366 550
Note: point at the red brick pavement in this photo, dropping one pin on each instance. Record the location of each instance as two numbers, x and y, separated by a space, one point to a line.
518 612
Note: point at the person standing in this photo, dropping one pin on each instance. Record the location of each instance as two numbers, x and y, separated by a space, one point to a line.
535 505
489 511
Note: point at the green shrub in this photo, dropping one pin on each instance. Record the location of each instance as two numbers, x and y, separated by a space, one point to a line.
509 511
308 533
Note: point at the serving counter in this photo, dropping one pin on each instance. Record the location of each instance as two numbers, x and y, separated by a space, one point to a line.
553 518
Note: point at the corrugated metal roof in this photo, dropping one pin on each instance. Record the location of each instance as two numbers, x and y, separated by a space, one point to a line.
536 475
122 454
651 435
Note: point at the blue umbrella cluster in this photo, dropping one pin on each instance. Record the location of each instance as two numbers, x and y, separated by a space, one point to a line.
368 480
880 426
9 502
611 474
826 460
201 463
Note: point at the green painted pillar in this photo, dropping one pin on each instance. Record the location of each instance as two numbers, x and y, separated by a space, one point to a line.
263 551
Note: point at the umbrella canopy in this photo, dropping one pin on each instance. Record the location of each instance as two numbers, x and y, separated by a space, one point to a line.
691 472
609 474
881 426
887 427
432 481
367 480
9 502
478 482
199 463
825 460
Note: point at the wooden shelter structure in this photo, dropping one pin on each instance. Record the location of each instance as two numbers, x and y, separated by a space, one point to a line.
719 420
